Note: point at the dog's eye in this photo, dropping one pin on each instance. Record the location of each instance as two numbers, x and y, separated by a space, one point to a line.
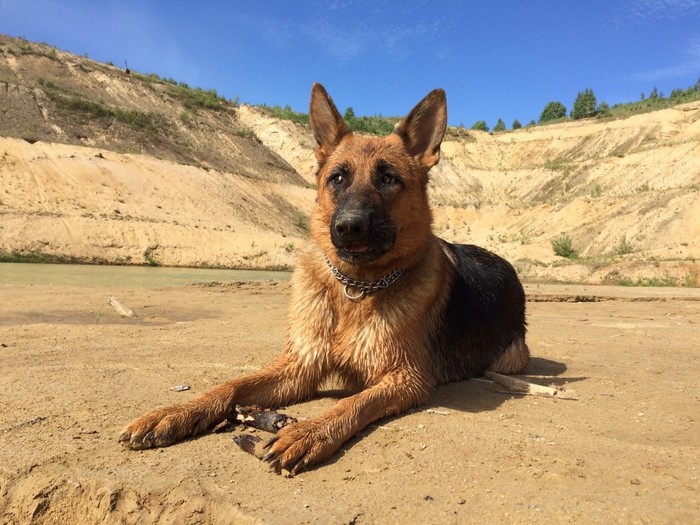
339 178
388 179
386 175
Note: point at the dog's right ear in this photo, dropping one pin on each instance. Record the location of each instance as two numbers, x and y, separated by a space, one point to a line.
326 123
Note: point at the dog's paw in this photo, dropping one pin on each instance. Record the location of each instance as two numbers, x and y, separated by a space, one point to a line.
298 446
162 427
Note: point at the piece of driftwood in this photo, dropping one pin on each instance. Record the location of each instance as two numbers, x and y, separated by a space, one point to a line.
251 444
120 307
259 447
21 424
438 412
520 386
262 418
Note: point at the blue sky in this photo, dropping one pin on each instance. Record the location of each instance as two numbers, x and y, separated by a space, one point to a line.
495 59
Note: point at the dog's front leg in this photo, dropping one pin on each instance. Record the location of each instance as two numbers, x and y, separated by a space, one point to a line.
285 381
300 445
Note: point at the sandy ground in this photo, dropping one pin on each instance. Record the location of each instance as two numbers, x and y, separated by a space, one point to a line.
74 373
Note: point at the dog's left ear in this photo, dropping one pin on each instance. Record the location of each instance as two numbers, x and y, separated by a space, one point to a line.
424 128
326 123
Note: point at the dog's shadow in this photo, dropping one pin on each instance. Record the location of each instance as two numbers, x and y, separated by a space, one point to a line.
469 396
472 396
475 395
480 394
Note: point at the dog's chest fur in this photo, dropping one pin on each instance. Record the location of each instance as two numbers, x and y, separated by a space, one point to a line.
370 339
358 340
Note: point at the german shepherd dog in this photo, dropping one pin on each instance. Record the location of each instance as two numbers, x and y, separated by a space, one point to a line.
377 301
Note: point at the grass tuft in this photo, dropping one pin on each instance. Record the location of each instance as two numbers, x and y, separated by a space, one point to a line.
563 247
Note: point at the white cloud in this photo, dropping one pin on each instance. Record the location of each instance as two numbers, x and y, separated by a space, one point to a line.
338 32
650 10
688 65
344 43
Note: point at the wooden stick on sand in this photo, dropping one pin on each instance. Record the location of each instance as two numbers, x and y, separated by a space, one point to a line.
120 307
521 386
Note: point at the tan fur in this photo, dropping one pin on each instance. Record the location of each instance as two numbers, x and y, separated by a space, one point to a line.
514 360
378 346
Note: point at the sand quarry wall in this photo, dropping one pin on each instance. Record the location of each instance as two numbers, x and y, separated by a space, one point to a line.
234 188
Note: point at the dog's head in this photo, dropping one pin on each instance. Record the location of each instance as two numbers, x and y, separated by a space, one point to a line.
372 191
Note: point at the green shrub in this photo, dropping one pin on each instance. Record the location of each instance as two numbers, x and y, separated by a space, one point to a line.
376 125
480 125
656 100
554 110
302 222
246 132
625 246
196 98
557 164
666 280
563 247
137 119
286 113
98 110
46 83
603 110
94 109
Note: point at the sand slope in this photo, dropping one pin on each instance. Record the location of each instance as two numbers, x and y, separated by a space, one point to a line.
191 179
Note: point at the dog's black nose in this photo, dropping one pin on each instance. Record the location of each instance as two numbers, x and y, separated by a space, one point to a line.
352 225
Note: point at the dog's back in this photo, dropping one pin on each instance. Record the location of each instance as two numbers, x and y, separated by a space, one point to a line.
483 322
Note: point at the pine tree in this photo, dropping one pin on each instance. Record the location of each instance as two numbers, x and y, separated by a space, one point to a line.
603 110
584 105
516 124
480 125
500 126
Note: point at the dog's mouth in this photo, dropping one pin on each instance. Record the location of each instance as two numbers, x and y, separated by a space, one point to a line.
356 250
358 254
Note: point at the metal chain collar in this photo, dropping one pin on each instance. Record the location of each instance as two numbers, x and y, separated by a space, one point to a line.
365 287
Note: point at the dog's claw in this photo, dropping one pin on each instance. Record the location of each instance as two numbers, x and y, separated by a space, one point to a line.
269 456
270 442
164 426
300 466
148 440
276 465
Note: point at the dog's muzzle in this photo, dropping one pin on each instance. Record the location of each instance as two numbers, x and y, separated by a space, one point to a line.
359 236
